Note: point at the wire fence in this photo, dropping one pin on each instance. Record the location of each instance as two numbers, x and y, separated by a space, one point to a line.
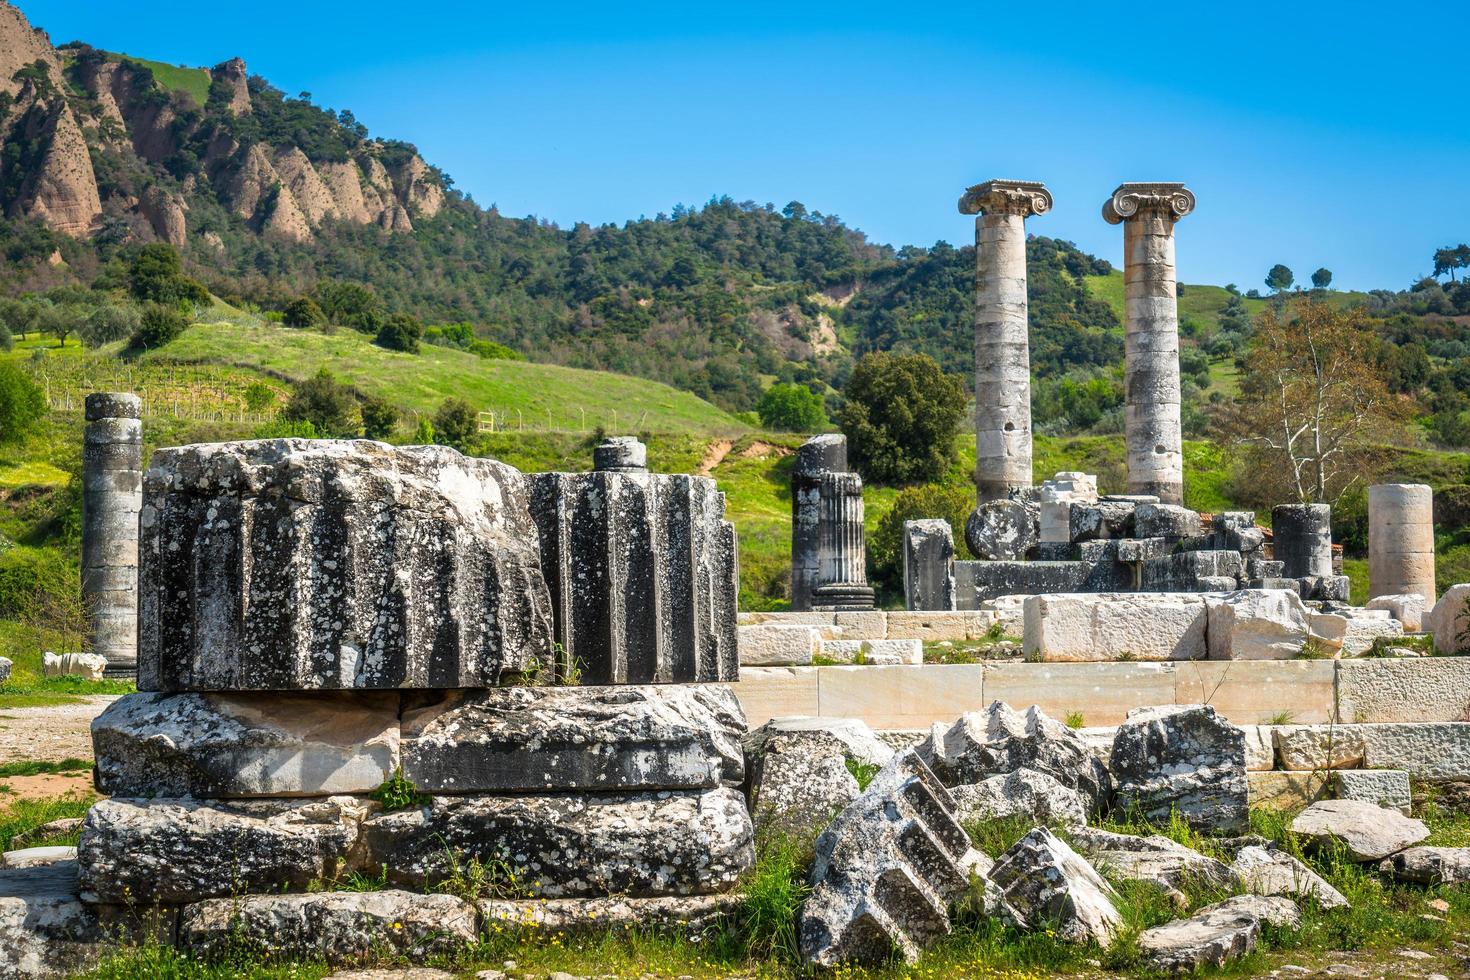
201 392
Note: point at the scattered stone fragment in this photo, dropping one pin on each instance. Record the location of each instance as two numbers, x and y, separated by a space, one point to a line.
571 845
858 741
241 745
36 857
294 564
175 851
689 915
1182 758
334 927
1430 865
566 739
1025 793
1215 935
999 740
800 782
1047 883
5 666
887 870
1277 873
47 831
1369 832
411 973
88 666
1155 860
1256 624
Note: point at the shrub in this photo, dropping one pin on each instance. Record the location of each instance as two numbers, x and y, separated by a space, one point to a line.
158 325
22 403
400 332
885 544
157 276
327 404
456 424
792 408
303 313
378 417
109 322
901 416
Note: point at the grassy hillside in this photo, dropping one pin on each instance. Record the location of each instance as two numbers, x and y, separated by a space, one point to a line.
176 78
1199 302
522 395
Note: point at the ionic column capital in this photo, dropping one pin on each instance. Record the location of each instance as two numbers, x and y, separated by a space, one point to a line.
1023 197
1130 200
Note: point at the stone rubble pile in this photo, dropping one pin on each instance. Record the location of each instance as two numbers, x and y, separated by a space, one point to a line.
362 661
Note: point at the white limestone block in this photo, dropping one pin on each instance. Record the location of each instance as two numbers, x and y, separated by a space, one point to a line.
1072 627
777 645
1408 609
1256 624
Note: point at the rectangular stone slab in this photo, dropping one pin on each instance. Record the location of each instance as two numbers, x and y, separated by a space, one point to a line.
563 739
246 745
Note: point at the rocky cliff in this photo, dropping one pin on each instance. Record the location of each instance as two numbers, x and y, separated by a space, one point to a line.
91 139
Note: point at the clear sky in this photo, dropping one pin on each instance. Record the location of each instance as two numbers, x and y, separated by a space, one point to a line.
1312 134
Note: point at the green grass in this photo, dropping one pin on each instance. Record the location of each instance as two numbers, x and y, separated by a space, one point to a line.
194 81
39 768
520 393
23 816
26 688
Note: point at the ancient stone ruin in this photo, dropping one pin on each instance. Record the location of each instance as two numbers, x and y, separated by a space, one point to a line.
828 551
112 496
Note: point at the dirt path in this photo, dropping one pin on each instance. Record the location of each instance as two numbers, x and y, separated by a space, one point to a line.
52 733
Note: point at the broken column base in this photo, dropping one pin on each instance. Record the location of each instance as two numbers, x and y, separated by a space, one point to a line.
841 598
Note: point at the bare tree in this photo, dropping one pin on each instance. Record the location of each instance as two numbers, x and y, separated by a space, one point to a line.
1313 400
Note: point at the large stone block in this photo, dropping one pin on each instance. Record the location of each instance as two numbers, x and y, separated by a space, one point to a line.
1418 689
331 927
1369 832
800 781
1256 624
900 696
175 851
928 564
930 626
1102 693
691 916
1263 691
777 645
1449 620
978 582
1048 885
777 692
643 575
685 842
296 564
1112 626
1434 751
1002 530
243 745
1408 609
563 739
1185 760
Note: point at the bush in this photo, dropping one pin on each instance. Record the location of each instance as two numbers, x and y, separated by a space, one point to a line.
28 574
22 403
400 332
157 276
327 404
158 325
792 408
885 544
303 313
456 424
901 417
378 417
109 322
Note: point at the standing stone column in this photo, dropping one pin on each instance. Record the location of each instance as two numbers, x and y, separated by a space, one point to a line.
818 455
1002 349
843 550
1302 539
112 496
1401 540
1148 212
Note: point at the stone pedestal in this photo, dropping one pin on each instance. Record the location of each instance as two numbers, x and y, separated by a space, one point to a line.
1401 540
1002 351
928 565
1302 539
1148 212
112 497
818 455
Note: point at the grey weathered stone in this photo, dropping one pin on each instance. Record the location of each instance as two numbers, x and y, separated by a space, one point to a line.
928 565
1215 935
112 496
47 931
1182 758
1435 751
1381 787
5 666
174 851
1273 872
620 454
1154 860
1302 539
982 582
1047 884
799 782
331 927
564 739
1103 520
1430 865
1002 348
244 745
295 564
571 845
1256 624
1369 832
1166 521
37 857
999 740
1449 620
819 454
689 915
843 580
642 570
886 870
1408 609
1002 530
857 740
1027 793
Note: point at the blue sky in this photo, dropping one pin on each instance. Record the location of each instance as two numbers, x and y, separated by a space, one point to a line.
1312 134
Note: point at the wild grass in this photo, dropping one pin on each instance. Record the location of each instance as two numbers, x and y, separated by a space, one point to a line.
40 768
22 816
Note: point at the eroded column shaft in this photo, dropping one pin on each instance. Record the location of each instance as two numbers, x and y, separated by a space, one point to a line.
1401 540
1002 357
112 496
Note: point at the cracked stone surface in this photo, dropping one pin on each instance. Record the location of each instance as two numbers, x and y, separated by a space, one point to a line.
1182 758
1047 884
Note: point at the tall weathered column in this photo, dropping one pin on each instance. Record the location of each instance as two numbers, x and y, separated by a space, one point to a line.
844 574
1401 540
112 496
818 455
1002 348
1148 212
